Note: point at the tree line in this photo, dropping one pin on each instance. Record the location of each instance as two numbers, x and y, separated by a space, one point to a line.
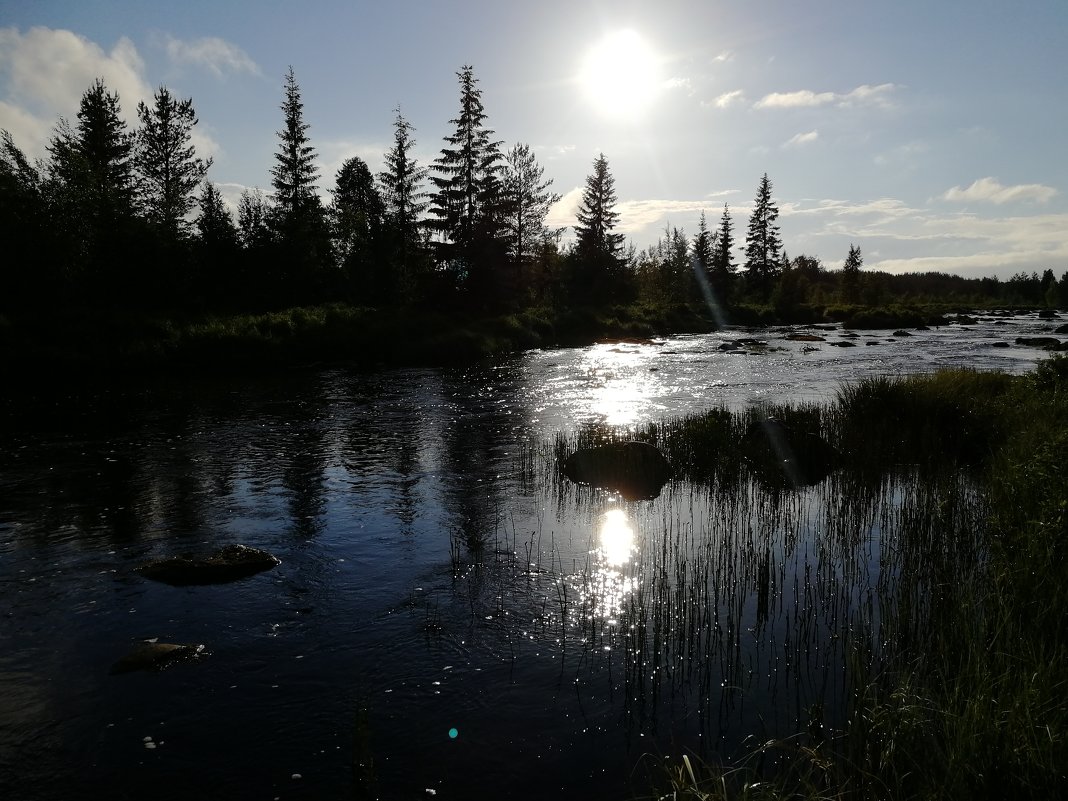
120 218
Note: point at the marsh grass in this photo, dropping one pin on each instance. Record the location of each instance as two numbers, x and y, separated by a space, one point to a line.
909 613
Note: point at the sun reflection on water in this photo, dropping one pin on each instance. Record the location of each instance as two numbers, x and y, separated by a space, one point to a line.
615 547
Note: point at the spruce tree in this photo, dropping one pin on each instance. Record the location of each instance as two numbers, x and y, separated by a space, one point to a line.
298 217
89 189
168 170
704 246
598 273
402 189
294 174
763 246
466 203
597 215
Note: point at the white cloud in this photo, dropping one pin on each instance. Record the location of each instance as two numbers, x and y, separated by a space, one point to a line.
801 139
801 99
806 98
728 99
213 54
46 72
990 190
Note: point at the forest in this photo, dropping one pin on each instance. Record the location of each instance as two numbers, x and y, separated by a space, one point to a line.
115 219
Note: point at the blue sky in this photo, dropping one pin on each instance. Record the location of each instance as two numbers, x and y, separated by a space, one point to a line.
931 134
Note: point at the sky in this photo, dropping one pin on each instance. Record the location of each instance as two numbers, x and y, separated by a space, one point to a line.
930 134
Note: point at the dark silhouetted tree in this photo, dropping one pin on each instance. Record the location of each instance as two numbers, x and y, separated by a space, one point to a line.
466 203
298 217
91 194
527 200
168 171
763 247
723 265
27 272
356 217
704 246
252 220
216 249
851 274
598 272
402 191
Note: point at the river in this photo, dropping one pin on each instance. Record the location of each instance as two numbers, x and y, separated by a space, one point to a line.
383 657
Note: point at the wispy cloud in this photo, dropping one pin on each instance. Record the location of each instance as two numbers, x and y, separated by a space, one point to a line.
806 98
728 99
990 190
798 140
213 54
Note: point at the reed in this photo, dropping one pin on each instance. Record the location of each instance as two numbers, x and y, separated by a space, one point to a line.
910 611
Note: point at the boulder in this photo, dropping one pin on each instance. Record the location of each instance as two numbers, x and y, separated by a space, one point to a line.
157 656
805 338
636 470
1061 330
802 458
901 333
1038 342
230 563
844 344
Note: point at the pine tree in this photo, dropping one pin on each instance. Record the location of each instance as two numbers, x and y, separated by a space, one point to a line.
527 201
763 247
466 203
167 167
401 186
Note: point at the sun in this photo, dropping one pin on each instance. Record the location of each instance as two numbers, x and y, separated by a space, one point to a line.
621 75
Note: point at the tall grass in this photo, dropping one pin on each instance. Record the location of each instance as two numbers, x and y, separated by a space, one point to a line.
922 619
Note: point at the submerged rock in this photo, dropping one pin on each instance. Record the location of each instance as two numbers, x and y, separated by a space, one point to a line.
157 656
636 470
226 564
803 458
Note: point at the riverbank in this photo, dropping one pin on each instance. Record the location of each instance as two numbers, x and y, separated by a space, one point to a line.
68 341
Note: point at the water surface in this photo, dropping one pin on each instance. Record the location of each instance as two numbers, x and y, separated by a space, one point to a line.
588 632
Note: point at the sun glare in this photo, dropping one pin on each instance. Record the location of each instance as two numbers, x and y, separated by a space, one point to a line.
621 75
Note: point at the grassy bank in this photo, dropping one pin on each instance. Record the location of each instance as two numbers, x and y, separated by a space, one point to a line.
364 337
967 698
73 340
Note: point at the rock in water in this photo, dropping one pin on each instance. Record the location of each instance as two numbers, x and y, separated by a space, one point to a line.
157 656
226 564
636 470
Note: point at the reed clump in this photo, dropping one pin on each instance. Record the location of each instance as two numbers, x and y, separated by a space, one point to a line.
959 666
